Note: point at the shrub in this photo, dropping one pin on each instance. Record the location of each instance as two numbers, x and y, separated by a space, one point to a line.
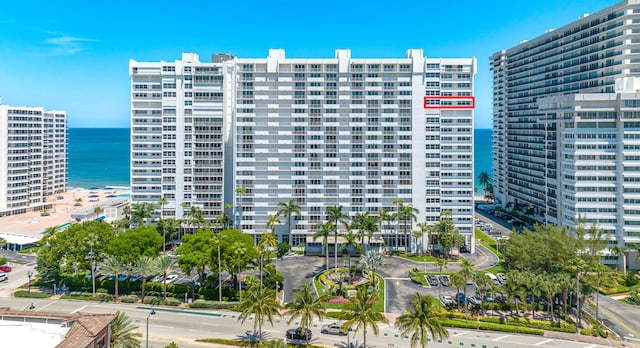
129 299
172 302
213 305
86 298
3 260
33 294
152 301
491 326
102 291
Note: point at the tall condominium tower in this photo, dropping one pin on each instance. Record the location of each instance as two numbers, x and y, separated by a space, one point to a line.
561 133
360 133
33 157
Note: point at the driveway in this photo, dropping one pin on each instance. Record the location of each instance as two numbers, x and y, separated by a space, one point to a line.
297 271
622 318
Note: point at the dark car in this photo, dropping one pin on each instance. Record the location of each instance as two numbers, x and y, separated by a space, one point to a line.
5 268
296 335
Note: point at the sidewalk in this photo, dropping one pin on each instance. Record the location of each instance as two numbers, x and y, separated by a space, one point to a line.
588 339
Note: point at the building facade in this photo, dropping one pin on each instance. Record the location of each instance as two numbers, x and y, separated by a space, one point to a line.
356 132
585 57
33 158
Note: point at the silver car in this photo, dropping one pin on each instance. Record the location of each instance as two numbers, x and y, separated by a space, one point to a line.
333 329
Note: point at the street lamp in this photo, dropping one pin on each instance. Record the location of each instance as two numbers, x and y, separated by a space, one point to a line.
29 275
150 314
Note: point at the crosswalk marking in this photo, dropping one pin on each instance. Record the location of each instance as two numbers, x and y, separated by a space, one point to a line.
543 342
501 337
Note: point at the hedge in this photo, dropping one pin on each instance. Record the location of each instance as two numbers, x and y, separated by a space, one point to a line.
247 343
530 323
213 304
490 326
86 298
3 260
33 294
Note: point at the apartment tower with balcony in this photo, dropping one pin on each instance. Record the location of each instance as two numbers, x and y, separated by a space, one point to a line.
562 123
33 158
356 132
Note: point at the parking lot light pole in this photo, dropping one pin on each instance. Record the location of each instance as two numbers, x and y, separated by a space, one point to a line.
29 275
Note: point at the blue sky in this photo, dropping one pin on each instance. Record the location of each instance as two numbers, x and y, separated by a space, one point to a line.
74 55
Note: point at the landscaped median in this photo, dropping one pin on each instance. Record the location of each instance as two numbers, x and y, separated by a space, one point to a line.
247 343
326 286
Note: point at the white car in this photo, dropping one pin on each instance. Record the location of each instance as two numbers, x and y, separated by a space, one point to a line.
3 277
446 299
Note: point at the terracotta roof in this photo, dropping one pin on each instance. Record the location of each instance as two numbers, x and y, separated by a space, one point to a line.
85 328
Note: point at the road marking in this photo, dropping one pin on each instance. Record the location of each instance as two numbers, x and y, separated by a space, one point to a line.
501 338
45 306
543 342
395 278
164 327
632 338
460 333
79 309
591 346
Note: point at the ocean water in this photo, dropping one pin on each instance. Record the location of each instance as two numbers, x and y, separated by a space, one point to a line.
482 154
100 156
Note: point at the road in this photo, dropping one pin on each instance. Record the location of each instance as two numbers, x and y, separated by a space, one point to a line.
183 327
624 319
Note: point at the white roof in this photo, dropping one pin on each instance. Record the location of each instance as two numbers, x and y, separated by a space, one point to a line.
19 239
27 334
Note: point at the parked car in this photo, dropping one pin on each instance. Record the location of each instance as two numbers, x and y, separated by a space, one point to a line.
297 335
474 300
334 329
501 299
5 268
445 280
433 280
3 277
446 299
493 278
460 297
501 278
488 298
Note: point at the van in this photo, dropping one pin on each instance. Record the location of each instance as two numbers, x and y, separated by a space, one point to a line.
3 277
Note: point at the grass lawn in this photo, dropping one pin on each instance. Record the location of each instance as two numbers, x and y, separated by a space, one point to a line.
488 242
416 258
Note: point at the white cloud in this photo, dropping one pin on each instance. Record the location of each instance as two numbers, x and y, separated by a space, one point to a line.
61 44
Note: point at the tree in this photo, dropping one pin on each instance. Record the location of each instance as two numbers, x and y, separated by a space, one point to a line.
240 191
372 260
306 306
405 213
484 179
384 216
423 229
484 285
442 263
97 211
350 242
78 202
272 221
550 287
231 260
168 228
360 311
164 265
466 270
124 332
287 209
131 244
421 319
145 267
161 203
113 265
195 252
621 251
458 281
239 249
261 303
266 240
448 234
141 211
324 232
535 286
512 290
334 216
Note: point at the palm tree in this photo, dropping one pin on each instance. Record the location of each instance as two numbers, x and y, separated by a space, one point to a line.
407 213
272 221
113 265
262 304
350 242
620 251
161 203
324 232
550 288
141 211
421 320
239 249
360 311
287 209
512 290
78 202
457 280
484 284
384 216
164 265
124 332
484 179
146 267
306 306
466 270
442 263
266 240
97 211
240 190
372 260
335 215
535 287
423 229
565 282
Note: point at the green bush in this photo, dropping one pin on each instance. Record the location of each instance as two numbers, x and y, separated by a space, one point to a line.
102 291
33 294
490 326
129 299
155 301
530 323
172 302
334 315
86 298
241 343
213 305
3 260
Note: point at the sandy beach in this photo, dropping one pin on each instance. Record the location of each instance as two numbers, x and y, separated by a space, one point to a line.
33 224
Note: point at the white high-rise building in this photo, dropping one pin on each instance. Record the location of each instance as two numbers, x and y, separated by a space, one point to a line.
561 127
33 158
355 132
